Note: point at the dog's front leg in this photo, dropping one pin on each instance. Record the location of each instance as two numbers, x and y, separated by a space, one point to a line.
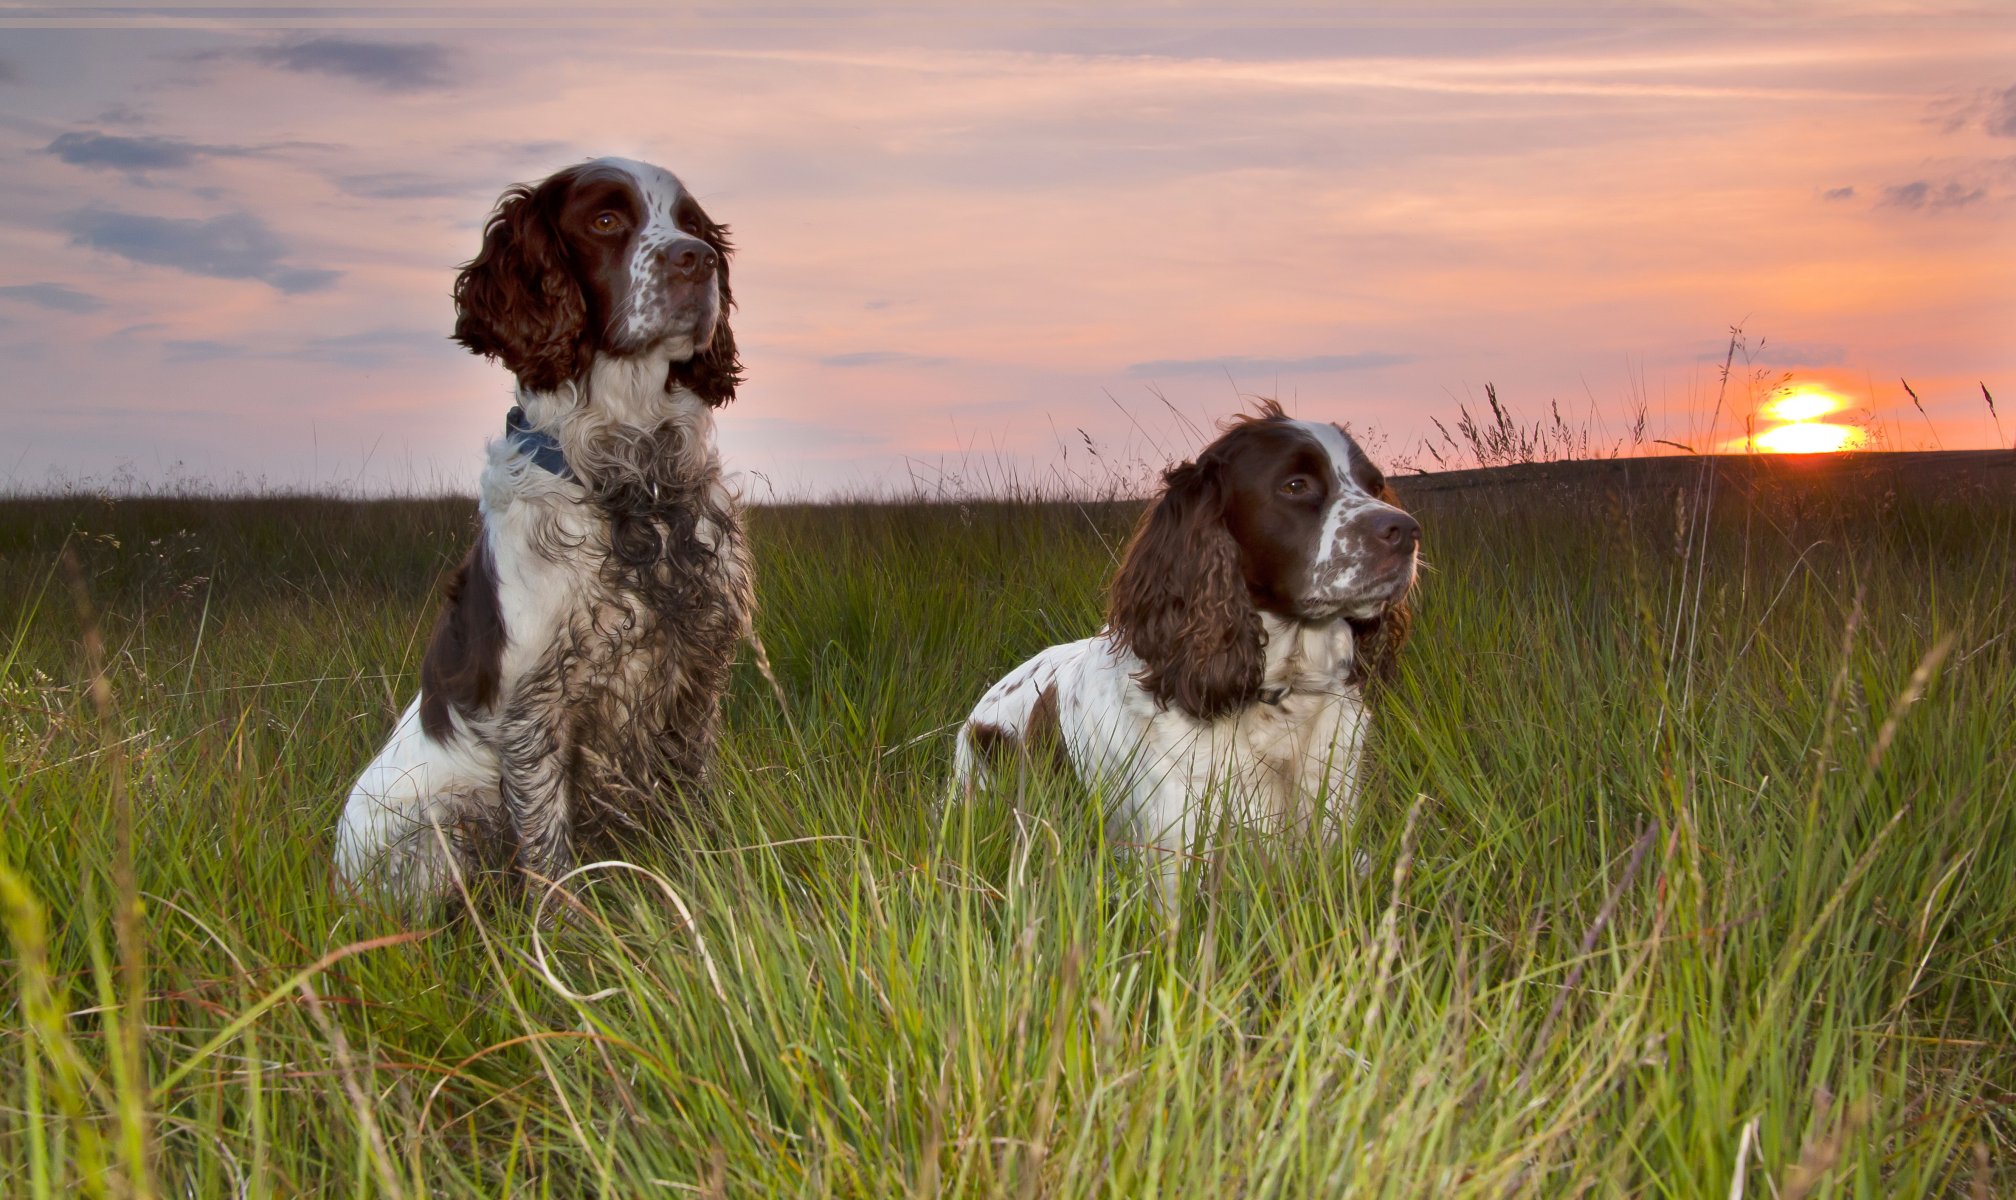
538 790
1334 775
1166 821
1331 775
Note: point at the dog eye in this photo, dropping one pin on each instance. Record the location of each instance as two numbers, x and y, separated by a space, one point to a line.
1295 487
607 222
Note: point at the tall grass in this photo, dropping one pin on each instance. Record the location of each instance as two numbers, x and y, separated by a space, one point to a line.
1690 827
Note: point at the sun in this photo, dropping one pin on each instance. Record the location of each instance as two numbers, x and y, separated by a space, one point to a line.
1801 432
1802 404
1808 437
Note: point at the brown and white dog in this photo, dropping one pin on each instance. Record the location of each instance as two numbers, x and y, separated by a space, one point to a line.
573 682
1262 592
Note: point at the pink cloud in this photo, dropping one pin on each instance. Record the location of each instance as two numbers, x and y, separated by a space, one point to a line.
961 248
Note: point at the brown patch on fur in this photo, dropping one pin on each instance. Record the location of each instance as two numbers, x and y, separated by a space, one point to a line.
1044 738
991 742
465 656
1215 551
532 299
1041 740
517 301
1180 600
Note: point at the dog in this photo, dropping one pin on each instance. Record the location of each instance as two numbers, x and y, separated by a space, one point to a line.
571 691
1263 591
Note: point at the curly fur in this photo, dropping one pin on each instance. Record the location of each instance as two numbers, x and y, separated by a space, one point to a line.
520 302
714 373
1260 603
1180 602
571 694
517 301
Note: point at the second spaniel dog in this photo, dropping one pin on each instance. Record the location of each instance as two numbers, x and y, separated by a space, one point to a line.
574 677
1264 589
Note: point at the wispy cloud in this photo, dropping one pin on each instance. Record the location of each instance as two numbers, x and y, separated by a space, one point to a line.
1781 354
2001 120
375 347
404 185
56 297
369 348
1926 194
534 148
394 66
953 237
880 358
233 246
194 350
1238 365
813 436
89 148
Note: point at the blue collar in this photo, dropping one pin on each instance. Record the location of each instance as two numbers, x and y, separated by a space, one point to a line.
539 446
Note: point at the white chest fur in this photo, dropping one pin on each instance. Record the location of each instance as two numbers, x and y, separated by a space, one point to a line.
1298 755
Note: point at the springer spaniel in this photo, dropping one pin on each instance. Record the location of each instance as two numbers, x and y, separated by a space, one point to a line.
1262 592
577 664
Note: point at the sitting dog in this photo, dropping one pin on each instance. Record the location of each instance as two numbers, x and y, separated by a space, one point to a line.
1261 593
574 677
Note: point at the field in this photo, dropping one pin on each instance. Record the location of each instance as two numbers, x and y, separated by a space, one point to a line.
1691 822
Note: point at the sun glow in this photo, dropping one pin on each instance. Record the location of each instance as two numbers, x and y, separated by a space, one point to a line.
1808 437
1802 404
1800 432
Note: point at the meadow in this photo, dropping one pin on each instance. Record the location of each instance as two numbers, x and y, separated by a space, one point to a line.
1689 819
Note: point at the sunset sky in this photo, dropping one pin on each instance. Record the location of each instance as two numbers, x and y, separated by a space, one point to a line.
985 245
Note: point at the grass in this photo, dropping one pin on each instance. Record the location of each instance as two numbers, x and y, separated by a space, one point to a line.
1690 820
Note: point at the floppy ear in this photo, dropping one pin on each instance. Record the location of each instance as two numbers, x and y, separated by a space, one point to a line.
713 373
1380 639
1180 601
517 301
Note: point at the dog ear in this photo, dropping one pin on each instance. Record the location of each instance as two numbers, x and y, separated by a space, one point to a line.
1180 601
517 300
1379 640
713 372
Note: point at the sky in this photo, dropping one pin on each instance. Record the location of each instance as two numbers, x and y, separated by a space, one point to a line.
998 247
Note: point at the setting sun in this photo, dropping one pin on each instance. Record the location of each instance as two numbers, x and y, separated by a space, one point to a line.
1796 428
1802 404
1809 437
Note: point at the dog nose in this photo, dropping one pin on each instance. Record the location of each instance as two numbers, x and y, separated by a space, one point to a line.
691 261
1397 529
